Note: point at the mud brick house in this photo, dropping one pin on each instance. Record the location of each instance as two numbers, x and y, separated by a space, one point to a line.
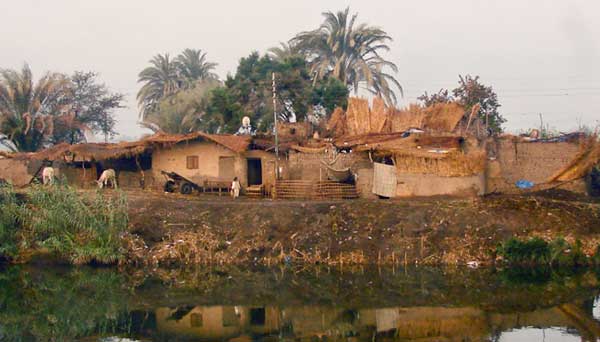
369 151
204 157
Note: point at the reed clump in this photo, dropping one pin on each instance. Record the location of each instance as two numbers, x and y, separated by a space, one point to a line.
537 251
8 222
73 227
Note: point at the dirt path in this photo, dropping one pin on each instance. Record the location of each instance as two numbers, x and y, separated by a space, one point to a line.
176 229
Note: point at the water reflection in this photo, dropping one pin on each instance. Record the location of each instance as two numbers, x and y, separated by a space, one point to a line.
310 323
431 304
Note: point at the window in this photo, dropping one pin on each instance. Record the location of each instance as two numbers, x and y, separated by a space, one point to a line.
196 320
192 162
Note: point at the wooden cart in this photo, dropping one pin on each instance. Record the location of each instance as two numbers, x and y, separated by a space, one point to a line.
175 181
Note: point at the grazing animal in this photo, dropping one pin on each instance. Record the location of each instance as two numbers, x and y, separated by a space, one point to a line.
48 175
107 176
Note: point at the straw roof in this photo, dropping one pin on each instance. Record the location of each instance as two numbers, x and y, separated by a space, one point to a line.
104 151
236 143
441 117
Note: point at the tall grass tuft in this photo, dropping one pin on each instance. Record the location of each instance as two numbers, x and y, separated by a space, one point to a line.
79 229
8 222
537 251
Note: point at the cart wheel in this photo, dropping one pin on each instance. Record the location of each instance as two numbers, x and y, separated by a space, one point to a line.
169 186
186 188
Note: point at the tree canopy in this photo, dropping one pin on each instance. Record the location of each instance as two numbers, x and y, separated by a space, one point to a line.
350 52
166 76
249 93
56 108
471 91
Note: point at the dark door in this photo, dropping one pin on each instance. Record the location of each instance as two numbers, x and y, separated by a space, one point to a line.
254 172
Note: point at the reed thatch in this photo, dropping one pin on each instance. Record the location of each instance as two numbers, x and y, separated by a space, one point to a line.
440 117
379 118
105 151
337 123
582 164
309 150
358 116
236 143
411 117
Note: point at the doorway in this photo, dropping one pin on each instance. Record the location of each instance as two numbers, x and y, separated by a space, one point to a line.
254 172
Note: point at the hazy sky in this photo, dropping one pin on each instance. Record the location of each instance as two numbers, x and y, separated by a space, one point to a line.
541 56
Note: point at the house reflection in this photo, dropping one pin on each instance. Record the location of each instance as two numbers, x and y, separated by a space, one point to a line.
317 323
219 322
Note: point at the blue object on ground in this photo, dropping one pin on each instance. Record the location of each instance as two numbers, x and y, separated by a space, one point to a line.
524 184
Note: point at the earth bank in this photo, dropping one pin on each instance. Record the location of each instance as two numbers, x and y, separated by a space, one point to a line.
171 229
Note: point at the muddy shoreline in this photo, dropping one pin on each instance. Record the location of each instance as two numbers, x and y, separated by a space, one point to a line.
172 230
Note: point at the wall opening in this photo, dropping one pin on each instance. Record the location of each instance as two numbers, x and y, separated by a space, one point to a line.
254 171
257 316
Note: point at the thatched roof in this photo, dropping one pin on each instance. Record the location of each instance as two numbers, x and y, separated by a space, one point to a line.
104 151
440 117
360 119
236 143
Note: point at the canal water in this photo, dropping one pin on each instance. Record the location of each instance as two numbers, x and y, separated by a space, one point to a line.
298 304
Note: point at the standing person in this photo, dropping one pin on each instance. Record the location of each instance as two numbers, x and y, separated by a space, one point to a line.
235 188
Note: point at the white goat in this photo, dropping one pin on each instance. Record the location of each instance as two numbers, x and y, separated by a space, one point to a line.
107 176
48 175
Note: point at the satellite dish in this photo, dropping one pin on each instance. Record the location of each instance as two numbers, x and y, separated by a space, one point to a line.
245 121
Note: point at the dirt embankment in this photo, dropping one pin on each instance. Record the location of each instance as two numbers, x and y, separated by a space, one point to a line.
168 229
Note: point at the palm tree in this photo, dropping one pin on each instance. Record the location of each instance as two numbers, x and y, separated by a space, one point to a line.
350 53
284 51
160 80
193 66
28 110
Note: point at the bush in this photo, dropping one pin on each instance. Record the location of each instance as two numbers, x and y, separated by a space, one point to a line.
66 223
8 222
536 251
533 251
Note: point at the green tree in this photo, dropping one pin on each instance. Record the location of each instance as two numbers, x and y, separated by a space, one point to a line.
350 53
193 66
28 108
92 105
471 91
284 51
160 80
184 111
166 76
249 92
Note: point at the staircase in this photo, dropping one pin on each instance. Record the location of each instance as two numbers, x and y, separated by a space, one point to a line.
254 191
298 189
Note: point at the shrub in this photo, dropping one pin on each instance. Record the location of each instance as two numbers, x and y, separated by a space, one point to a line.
533 251
536 251
8 222
75 228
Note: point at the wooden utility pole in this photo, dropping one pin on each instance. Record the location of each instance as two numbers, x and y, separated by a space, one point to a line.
275 128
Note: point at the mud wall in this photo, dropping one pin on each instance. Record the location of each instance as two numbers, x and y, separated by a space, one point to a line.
307 166
215 162
208 154
413 184
18 172
511 161
78 176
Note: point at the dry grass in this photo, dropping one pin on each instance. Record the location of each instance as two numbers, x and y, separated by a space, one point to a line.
358 116
440 117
